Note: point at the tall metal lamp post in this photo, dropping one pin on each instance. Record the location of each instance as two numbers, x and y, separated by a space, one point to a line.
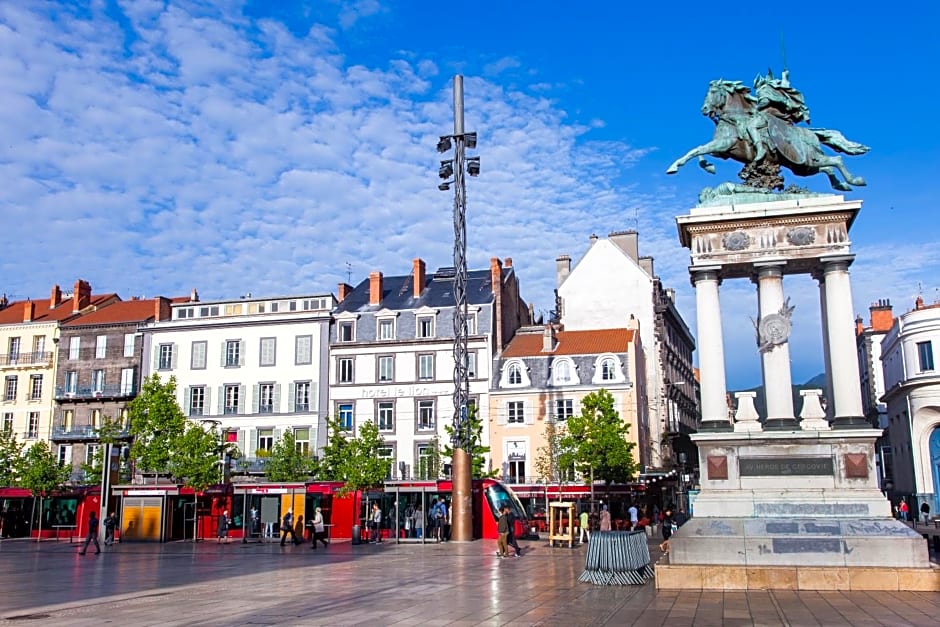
452 172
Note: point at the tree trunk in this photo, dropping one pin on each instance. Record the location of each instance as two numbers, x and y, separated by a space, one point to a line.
33 514
195 516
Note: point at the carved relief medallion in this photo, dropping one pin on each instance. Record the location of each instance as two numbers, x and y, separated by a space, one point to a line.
801 236
737 240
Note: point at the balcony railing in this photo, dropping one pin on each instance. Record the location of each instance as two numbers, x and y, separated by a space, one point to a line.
80 432
251 464
26 359
115 390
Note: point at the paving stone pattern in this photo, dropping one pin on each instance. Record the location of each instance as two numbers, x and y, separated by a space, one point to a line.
448 584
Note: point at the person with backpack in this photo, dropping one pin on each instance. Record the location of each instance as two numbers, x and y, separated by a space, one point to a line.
287 527
439 515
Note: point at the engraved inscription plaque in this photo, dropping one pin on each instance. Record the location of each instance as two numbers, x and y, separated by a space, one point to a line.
784 466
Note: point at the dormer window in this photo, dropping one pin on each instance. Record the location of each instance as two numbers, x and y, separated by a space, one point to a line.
564 373
386 330
514 375
346 331
608 369
424 326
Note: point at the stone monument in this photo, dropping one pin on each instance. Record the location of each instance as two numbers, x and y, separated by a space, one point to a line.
788 500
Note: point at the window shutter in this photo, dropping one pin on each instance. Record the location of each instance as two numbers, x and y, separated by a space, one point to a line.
528 414
241 353
173 356
156 357
222 358
221 400
241 399
313 396
278 434
251 442
187 397
502 415
207 402
292 398
255 398
550 410
241 442
277 398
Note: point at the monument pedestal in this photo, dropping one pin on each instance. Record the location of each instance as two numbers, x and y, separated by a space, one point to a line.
801 501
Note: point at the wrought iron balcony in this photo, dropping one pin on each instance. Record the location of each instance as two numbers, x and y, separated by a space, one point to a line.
251 464
80 432
26 359
114 390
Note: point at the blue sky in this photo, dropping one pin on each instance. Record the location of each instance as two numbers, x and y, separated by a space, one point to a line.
153 147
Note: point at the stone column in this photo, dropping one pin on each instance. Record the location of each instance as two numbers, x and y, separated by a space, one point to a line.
827 361
840 329
775 359
711 349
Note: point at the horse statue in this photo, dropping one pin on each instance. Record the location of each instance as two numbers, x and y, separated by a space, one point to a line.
762 133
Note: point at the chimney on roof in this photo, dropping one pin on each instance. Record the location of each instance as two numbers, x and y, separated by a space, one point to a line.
562 269
628 242
496 272
29 310
419 272
375 288
507 262
647 264
161 308
81 297
4 301
55 299
496 284
549 339
342 291
593 238
531 311
859 326
194 296
671 295
881 316
919 303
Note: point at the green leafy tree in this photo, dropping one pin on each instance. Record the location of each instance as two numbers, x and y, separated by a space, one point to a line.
194 460
42 473
108 433
11 459
595 442
333 458
156 420
477 451
287 463
548 458
365 468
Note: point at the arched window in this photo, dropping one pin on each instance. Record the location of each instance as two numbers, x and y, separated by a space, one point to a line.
514 374
562 372
608 369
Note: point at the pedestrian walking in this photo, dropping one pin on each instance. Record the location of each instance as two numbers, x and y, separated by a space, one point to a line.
585 532
925 512
319 529
223 527
511 537
502 528
110 524
903 509
376 523
634 516
669 526
605 519
287 528
92 535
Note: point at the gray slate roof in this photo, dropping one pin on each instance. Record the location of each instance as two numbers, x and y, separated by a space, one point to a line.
397 293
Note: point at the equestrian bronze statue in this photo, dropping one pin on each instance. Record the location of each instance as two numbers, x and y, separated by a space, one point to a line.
763 131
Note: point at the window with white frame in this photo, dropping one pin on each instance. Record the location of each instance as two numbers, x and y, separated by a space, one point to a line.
268 351
266 398
9 387
32 425
426 367
13 353
302 440
471 324
230 399
426 417
608 369
35 387
91 453
198 357
925 355
130 340
65 455
346 331
233 353
426 458
197 401
564 408
101 346
127 381
7 422
386 364
75 344
165 360
97 381
95 418
472 364
265 439
302 396
387 454
561 372
386 329
39 345
386 415
71 382
345 367
515 412
303 350
515 458
424 326
345 414
513 374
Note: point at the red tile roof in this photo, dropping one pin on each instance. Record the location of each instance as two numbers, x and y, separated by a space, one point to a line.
121 311
591 342
14 312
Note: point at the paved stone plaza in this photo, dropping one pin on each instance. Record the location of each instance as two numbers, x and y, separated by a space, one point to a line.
448 584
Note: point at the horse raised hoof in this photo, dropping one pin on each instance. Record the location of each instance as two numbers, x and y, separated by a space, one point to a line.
857 181
673 169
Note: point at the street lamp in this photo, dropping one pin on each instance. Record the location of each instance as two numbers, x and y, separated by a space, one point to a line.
461 503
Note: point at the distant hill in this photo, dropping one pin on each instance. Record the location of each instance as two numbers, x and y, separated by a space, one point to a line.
816 383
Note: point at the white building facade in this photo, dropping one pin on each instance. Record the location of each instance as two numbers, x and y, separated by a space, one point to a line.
391 357
256 367
910 357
